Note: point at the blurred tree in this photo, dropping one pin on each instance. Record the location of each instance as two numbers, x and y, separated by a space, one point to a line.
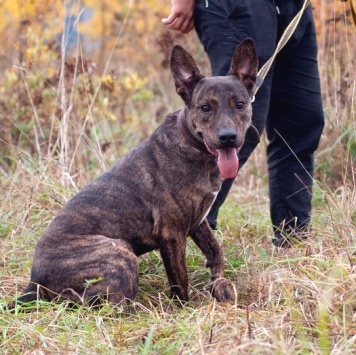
90 27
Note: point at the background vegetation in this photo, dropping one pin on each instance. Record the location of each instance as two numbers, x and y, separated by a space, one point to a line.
83 82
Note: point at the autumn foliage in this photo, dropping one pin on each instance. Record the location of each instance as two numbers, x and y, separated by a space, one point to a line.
83 76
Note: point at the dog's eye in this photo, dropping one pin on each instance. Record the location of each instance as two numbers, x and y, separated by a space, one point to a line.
240 105
205 108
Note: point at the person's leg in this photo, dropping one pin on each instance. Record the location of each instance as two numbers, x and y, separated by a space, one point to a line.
221 26
294 126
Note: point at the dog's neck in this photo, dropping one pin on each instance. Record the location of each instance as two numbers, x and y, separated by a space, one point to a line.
187 133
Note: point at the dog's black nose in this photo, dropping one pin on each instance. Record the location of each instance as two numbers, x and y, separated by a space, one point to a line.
227 137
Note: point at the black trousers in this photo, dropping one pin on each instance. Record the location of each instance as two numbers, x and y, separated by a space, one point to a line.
288 105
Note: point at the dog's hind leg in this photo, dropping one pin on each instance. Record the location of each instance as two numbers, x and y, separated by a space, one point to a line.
89 267
109 271
221 289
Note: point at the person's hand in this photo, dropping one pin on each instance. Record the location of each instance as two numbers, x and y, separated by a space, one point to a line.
181 17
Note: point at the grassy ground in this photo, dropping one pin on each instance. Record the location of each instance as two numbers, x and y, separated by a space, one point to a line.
300 300
57 133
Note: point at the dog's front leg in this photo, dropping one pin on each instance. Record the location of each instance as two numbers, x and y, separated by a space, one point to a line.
173 249
222 289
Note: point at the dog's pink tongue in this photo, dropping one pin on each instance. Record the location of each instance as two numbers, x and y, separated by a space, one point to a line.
228 162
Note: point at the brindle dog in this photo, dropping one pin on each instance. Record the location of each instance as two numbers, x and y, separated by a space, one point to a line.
154 197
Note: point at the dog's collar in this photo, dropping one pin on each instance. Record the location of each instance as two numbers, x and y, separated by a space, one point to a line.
187 134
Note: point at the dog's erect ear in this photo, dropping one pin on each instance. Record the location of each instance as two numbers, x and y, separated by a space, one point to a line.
185 73
244 64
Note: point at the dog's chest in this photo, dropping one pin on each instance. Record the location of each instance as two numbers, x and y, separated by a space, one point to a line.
203 196
213 195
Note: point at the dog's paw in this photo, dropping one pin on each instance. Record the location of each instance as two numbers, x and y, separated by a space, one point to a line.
177 293
223 290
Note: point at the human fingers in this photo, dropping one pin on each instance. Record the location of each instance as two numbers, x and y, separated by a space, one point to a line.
170 19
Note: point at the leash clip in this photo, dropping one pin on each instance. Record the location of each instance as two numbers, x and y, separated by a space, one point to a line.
252 99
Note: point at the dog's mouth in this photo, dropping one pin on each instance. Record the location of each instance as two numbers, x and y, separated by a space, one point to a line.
227 159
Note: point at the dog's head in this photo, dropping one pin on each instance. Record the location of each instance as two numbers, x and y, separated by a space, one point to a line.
219 108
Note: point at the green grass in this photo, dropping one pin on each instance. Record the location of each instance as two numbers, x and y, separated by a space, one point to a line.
296 301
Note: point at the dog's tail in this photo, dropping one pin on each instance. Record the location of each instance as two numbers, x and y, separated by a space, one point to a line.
30 294
27 298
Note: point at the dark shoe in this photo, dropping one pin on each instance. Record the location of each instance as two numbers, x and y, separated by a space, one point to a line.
212 223
283 239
